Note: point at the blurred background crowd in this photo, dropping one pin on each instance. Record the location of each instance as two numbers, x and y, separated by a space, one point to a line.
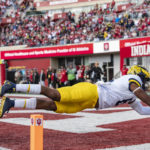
93 26
99 23
60 77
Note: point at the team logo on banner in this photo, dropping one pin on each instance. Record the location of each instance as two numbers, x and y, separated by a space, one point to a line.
39 122
106 46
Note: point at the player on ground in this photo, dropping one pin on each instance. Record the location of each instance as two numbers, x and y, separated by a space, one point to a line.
78 97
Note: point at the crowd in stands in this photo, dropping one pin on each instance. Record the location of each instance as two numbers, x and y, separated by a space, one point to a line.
4 4
20 8
63 76
17 7
96 25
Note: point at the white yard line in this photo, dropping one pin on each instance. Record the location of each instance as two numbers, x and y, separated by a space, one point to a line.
145 146
51 112
2 148
77 124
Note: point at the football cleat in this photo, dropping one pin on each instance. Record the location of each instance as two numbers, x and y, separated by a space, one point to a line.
7 87
5 105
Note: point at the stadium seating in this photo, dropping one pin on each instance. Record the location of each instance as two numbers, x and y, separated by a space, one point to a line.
4 5
68 28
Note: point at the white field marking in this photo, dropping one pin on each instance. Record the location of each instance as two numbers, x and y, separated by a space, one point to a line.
2 148
145 146
87 122
74 114
112 108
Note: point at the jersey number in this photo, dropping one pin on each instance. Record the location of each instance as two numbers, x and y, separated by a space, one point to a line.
123 101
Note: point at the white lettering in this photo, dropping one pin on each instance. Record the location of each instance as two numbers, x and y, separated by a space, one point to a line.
31 53
38 52
49 51
128 44
16 54
132 51
62 50
148 49
135 50
140 50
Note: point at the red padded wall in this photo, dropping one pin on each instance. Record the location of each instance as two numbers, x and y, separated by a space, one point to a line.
38 63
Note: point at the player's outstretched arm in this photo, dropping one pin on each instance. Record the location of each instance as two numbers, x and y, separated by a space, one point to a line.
139 108
140 93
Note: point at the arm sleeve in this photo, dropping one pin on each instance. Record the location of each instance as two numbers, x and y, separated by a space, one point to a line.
133 80
138 107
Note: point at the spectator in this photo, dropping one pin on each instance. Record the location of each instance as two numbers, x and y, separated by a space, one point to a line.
49 74
104 73
24 75
124 70
63 80
59 78
71 72
42 77
112 4
18 76
80 73
87 74
96 73
31 76
35 77
54 78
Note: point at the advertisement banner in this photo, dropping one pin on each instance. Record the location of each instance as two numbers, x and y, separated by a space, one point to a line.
133 42
134 48
60 2
69 50
106 47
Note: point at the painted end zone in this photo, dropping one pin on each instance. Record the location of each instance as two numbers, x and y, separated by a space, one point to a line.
112 130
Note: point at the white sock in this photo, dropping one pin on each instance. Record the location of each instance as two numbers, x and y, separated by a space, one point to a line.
29 88
26 103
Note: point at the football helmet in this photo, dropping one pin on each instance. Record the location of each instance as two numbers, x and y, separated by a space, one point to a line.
140 71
